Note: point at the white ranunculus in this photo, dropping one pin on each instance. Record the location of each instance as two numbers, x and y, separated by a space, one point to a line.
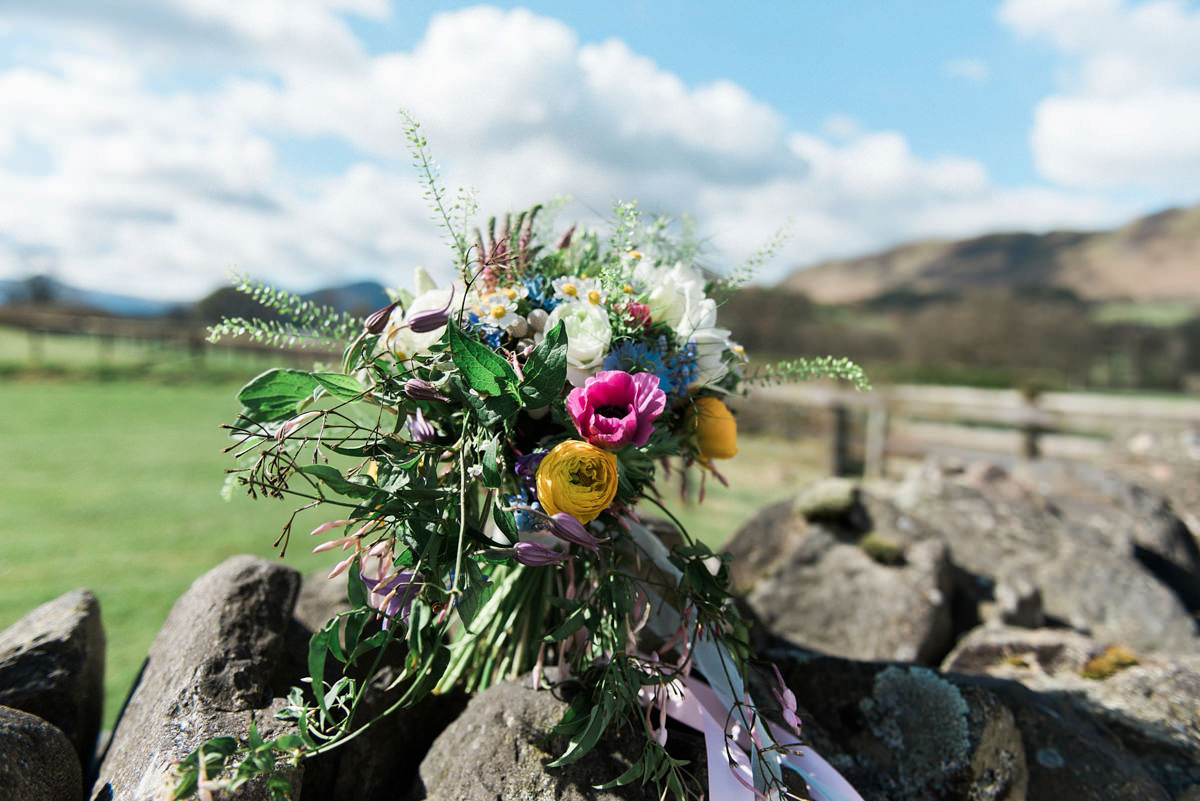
588 337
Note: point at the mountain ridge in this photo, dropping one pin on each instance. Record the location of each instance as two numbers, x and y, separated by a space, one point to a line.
1156 257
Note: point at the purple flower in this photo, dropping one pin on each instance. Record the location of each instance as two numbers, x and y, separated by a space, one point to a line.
613 408
420 389
566 527
378 320
526 470
532 554
421 429
394 596
427 320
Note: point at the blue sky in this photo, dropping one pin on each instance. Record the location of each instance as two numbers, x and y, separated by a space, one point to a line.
149 147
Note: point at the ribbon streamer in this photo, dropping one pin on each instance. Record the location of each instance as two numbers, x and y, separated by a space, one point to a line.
706 708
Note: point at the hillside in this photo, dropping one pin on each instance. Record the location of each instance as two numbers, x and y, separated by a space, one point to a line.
1152 258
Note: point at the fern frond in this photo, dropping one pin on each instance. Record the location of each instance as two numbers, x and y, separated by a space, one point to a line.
741 274
302 323
837 368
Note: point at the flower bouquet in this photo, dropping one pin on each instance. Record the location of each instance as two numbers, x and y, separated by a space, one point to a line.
490 447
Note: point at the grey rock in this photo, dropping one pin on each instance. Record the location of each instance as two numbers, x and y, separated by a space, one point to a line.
52 666
1019 602
498 748
1152 706
319 599
827 498
762 542
1133 519
825 591
37 761
997 527
907 733
218 660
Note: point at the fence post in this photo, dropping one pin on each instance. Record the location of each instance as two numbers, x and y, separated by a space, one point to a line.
839 463
1031 429
875 450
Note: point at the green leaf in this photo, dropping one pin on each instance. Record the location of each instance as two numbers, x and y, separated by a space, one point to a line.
489 463
492 411
333 479
636 771
475 592
573 623
484 369
340 385
356 588
290 742
546 369
276 394
429 674
506 523
356 621
581 743
323 642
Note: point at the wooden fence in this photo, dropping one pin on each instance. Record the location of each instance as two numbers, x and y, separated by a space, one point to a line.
867 430
156 333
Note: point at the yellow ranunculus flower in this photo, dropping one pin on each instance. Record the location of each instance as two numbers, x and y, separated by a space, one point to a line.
577 478
714 427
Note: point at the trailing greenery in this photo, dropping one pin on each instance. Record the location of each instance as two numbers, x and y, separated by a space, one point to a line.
301 322
834 367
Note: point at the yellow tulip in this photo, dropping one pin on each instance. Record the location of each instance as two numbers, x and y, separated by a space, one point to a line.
714 428
577 478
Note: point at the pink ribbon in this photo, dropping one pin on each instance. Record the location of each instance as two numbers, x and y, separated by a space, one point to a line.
694 704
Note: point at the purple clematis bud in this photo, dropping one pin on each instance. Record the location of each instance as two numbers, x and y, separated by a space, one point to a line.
567 528
289 428
423 322
378 320
420 389
430 320
532 554
421 429
564 242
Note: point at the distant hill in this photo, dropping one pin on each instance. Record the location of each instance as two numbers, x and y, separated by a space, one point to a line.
1149 259
43 289
360 298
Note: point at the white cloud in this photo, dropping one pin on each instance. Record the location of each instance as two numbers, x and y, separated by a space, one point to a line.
157 186
974 70
1128 113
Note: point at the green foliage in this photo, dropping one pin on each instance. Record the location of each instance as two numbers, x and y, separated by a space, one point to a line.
744 272
453 216
807 369
278 394
302 323
546 369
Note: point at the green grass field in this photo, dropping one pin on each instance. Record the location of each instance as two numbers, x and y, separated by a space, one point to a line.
115 486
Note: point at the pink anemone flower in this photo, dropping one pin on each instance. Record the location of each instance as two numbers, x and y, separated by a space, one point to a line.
614 409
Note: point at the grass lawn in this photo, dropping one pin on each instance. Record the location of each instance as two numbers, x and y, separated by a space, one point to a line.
114 486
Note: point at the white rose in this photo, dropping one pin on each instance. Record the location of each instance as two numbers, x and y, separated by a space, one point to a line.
588 336
674 295
712 347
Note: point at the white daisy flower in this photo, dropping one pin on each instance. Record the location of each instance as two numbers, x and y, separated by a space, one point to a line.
572 288
498 310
